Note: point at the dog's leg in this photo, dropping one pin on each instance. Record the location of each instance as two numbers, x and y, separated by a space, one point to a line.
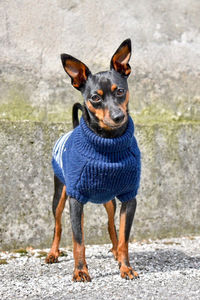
126 219
58 206
76 216
111 208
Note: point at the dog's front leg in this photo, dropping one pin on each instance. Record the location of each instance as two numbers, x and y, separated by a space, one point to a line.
127 213
76 216
110 207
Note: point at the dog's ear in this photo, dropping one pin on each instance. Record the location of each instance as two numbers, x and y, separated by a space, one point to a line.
120 60
77 70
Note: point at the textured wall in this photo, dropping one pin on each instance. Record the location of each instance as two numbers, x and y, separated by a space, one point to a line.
168 202
36 99
165 63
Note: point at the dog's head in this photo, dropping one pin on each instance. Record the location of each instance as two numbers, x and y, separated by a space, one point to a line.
106 93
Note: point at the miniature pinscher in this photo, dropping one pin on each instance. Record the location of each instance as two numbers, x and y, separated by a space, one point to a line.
105 135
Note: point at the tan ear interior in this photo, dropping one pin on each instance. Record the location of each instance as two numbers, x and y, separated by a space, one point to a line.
126 59
122 56
72 68
77 71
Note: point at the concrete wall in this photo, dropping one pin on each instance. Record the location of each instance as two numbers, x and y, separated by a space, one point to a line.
168 202
36 99
166 44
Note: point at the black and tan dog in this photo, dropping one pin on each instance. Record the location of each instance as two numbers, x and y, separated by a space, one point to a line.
105 113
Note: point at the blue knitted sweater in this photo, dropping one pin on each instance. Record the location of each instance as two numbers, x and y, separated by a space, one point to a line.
97 169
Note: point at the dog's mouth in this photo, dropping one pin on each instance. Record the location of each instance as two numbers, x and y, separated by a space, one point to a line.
113 126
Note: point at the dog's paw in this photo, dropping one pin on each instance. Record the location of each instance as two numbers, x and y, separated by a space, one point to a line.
81 275
128 273
52 257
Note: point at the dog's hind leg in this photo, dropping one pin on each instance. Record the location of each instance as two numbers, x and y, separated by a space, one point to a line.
111 208
59 199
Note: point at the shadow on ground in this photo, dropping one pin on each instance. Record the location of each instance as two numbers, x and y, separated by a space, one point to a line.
164 261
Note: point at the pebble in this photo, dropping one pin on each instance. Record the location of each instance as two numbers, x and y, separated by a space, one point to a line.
169 269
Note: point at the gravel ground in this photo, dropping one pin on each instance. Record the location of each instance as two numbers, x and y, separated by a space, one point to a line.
169 269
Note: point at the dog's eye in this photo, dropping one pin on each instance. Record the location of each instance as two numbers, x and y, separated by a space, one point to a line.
96 98
120 92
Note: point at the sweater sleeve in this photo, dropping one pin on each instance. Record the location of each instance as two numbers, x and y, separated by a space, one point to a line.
73 170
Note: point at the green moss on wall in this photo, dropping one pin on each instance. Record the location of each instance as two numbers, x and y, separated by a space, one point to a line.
21 110
18 108
155 114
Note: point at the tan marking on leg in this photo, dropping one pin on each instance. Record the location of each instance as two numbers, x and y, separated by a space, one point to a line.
122 244
122 252
54 252
80 268
111 226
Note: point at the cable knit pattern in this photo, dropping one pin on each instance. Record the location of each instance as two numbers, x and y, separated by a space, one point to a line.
98 169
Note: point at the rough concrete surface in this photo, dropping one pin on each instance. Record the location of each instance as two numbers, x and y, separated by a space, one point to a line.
165 61
168 200
169 270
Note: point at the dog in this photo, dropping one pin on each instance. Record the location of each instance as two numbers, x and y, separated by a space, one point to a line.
99 160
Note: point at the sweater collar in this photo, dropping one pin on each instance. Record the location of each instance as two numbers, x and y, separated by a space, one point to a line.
106 144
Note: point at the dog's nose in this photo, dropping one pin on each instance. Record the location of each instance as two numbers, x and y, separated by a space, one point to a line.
118 117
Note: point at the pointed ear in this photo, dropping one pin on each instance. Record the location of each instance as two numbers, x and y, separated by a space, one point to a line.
121 57
76 70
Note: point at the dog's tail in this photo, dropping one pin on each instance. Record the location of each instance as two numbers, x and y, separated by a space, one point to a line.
75 119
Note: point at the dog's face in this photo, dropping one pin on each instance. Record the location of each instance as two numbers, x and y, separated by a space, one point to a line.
106 98
105 94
